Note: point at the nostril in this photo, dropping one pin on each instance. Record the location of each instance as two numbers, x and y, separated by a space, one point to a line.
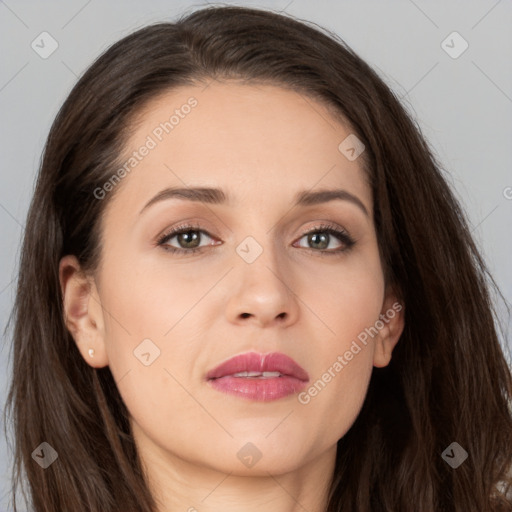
245 315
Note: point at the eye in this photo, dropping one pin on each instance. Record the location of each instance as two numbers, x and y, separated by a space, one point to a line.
320 237
188 238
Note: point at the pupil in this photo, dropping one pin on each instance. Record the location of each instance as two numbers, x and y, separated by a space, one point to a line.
184 236
314 236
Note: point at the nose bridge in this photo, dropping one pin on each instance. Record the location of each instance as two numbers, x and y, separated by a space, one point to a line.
263 290
261 261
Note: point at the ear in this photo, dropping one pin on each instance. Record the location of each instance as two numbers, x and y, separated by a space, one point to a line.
83 313
392 316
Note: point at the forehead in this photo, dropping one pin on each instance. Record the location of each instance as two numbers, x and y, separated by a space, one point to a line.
259 140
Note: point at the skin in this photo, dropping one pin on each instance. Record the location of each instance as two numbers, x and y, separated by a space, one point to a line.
261 145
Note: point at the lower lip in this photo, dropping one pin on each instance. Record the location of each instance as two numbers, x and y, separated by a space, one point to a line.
262 390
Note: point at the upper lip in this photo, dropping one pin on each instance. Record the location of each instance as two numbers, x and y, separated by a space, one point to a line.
256 362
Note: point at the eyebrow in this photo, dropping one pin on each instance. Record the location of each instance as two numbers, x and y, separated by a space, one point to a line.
217 196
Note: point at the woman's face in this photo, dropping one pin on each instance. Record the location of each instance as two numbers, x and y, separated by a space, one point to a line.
258 282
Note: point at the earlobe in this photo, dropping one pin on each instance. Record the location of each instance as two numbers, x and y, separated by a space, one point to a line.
83 314
392 316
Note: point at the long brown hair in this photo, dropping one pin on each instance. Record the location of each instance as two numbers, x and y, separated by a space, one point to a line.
448 380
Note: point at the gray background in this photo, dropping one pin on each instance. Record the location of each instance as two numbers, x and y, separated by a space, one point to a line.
463 105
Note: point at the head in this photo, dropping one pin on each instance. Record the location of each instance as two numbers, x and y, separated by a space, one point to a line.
396 288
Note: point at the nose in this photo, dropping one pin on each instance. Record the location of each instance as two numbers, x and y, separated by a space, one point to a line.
263 293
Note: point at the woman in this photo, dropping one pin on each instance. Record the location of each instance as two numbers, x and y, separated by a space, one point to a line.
330 346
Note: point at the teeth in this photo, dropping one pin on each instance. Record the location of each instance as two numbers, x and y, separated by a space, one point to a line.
264 375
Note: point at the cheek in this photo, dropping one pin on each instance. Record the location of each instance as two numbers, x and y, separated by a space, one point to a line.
150 367
349 303
157 320
347 298
150 319
339 383
149 301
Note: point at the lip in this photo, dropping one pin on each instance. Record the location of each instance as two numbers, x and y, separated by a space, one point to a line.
293 377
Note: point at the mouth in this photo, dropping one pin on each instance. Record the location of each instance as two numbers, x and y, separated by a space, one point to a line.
258 377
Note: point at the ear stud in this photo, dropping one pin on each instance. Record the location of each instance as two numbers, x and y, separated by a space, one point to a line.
91 352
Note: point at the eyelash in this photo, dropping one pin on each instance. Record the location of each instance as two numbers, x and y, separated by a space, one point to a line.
341 234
